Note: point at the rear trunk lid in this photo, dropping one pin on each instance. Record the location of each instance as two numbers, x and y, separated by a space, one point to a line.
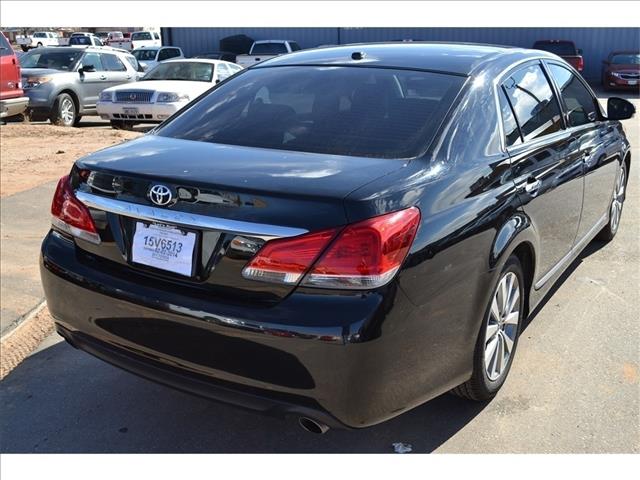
231 198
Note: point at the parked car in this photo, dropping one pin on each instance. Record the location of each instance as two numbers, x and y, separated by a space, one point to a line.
103 36
63 83
12 99
149 57
114 37
621 70
85 40
565 49
265 49
162 91
138 40
339 234
38 39
226 56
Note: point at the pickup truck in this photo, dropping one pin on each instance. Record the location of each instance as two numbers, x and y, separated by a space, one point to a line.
265 49
12 98
137 40
38 39
563 48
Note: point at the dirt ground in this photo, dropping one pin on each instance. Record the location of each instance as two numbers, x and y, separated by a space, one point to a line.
35 153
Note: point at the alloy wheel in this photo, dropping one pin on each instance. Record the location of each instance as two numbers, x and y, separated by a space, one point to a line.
67 111
502 326
618 199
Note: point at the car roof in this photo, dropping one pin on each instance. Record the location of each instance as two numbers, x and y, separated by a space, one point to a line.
274 41
197 60
456 58
616 52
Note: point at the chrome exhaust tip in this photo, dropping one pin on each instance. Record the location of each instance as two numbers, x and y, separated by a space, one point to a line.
313 426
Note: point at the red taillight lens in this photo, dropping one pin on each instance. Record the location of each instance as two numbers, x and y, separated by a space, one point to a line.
286 260
580 64
70 215
366 254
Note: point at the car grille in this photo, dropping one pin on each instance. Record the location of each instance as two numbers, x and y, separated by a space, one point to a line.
630 76
131 96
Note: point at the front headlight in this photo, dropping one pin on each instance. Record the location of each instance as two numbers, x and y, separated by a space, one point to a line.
615 74
106 96
168 97
33 82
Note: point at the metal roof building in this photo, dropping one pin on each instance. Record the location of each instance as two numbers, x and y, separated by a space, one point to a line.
596 43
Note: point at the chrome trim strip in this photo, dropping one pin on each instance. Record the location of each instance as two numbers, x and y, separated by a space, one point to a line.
193 220
577 248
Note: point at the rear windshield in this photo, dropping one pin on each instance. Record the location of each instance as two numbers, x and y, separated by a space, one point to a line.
626 59
80 40
141 36
274 48
145 54
64 60
558 48
189 71
370 112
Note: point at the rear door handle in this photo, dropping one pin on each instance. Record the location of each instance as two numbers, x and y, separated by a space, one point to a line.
102 77
532 186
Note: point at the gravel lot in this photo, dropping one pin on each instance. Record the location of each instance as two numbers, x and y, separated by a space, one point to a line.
574 386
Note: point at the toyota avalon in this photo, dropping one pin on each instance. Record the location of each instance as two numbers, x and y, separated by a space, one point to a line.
339 234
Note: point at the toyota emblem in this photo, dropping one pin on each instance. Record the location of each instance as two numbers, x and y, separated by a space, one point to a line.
160 195
132 97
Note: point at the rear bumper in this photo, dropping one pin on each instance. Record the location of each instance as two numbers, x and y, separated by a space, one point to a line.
342 359
13 106
149 112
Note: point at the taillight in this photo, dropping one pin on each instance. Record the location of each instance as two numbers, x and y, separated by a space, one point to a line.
580 63
364 255
70 215
287 259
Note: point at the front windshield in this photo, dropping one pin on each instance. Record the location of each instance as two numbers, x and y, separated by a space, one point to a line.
145 54
64 60
141 36
189 71
626 59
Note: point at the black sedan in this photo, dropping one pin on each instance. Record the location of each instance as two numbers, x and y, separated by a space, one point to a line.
339 234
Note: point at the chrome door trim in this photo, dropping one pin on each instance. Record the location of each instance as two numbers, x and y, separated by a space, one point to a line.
577 248
191 220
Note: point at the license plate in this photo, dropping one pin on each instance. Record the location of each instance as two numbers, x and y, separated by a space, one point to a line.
632 82
130 111
164 247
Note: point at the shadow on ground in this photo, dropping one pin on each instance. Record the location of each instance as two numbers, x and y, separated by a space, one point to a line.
63 400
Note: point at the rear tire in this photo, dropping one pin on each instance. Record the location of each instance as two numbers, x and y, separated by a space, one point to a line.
64 111
615 208
498 337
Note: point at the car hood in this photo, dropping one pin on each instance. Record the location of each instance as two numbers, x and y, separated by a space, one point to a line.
30 72
620 67
239 168
178 86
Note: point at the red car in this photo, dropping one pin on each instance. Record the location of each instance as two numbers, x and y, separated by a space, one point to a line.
12 98
621 70
565 49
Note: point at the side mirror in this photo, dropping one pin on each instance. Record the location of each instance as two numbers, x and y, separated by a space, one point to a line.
619 109
579 51
217 80
606 62
87 69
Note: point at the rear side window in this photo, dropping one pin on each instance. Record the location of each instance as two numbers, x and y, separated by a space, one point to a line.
356 111
112 63
580 105
294 46
511 129
533 102
271 48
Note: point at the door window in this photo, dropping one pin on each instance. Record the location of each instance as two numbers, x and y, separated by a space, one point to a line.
580 104
113 63
535 106
93 59
5 48
511 129
173 52
164 54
